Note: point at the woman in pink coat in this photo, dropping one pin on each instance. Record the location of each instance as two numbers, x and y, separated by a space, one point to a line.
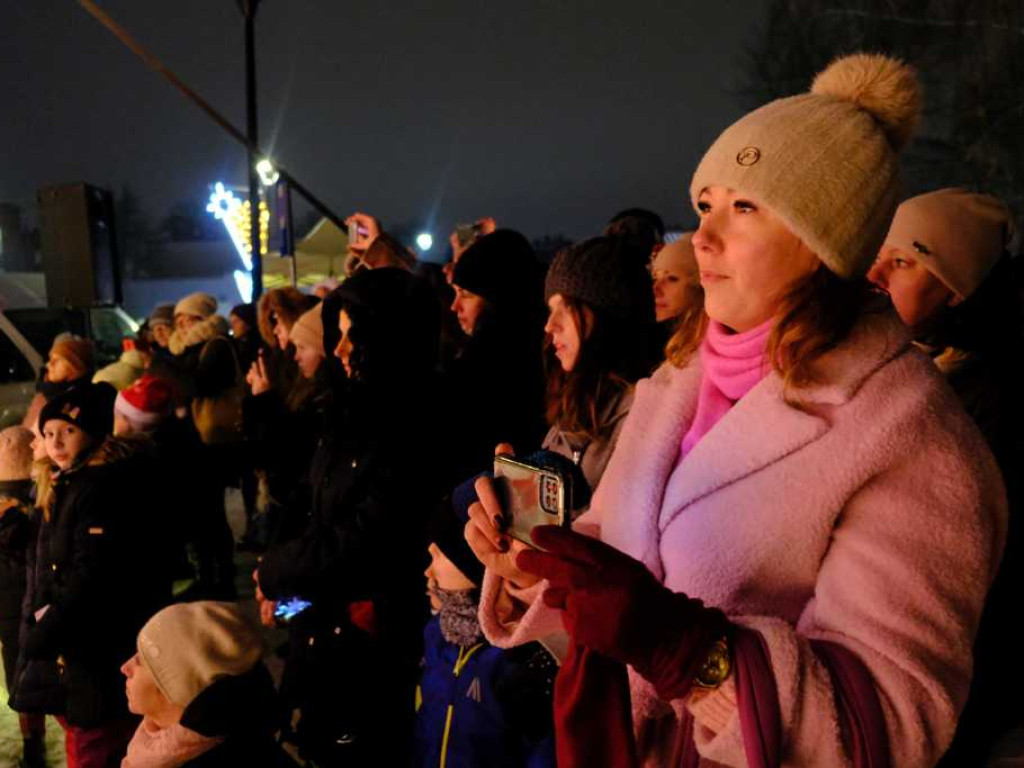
794 537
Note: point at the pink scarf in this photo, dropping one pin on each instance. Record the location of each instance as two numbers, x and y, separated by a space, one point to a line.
153 747
733 364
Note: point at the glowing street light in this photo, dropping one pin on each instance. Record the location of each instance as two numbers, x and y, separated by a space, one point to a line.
269 175
424 241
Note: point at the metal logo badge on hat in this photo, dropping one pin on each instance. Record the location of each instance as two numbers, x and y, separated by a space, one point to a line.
748 156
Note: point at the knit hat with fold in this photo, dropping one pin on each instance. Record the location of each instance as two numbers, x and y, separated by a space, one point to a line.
80 353
604 273
197 304
308 330
825 162
956 235
189 646
90 407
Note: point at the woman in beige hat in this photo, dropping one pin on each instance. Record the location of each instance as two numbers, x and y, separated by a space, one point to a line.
946 268
205 696
786 560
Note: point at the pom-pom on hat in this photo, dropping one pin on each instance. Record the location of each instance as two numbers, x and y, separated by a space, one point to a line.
146 403
825 162
957 235
189 646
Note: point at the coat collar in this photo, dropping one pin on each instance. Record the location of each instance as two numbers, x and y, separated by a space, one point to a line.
769 424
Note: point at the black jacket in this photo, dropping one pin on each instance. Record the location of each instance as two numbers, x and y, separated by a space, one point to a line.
495 393
15 537
100 565
376 474
241 710
280 442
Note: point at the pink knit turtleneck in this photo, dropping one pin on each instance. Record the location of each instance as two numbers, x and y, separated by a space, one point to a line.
733 364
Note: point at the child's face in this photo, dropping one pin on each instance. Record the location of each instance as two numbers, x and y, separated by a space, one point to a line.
64 442
443 574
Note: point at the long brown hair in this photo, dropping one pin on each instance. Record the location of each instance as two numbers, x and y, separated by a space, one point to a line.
612 357
814 317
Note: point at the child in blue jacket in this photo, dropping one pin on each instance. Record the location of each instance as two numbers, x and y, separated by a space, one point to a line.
477 705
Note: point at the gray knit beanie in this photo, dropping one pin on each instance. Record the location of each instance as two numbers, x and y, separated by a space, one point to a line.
604 273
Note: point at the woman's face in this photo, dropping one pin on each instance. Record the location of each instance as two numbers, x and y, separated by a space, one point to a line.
308 359
669 292
566 338
343 350
281 334
467 307
144 695
748 259
238 326
442 573
918 295
183 322
59 369
162 334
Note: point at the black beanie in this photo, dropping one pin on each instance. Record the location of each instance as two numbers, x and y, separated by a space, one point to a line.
501 267
447 532
90 407
604 273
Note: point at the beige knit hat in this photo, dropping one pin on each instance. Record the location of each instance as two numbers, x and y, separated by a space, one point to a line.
678 257
188 646
957 235
197 304
15 454
309 330
826 161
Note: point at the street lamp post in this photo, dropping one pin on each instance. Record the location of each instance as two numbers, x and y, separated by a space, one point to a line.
248 8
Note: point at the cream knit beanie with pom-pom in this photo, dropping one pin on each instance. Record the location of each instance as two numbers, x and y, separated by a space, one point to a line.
825 162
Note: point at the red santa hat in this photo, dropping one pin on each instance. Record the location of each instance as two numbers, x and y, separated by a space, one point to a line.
146 403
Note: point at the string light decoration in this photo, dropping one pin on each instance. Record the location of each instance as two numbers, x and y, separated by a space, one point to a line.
234 214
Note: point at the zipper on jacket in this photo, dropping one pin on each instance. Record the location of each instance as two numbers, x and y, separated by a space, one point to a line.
460 663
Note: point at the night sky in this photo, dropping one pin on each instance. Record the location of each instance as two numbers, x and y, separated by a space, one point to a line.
550 116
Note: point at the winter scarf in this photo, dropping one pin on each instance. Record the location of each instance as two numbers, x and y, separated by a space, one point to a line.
459 616
733 364
166 747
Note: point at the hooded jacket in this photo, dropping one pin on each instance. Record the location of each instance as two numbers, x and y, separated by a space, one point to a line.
865 511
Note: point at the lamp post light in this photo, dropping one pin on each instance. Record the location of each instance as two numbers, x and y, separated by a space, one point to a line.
248 9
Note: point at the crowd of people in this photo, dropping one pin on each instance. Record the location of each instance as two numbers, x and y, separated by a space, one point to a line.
790 439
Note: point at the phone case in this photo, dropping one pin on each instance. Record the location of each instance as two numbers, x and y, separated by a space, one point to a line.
530 496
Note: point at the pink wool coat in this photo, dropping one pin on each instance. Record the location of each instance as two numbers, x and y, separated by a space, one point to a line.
873 516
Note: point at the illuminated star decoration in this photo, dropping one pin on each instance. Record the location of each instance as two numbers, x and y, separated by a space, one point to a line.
234 214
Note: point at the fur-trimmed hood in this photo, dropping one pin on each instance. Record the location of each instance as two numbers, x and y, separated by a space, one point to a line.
201 332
